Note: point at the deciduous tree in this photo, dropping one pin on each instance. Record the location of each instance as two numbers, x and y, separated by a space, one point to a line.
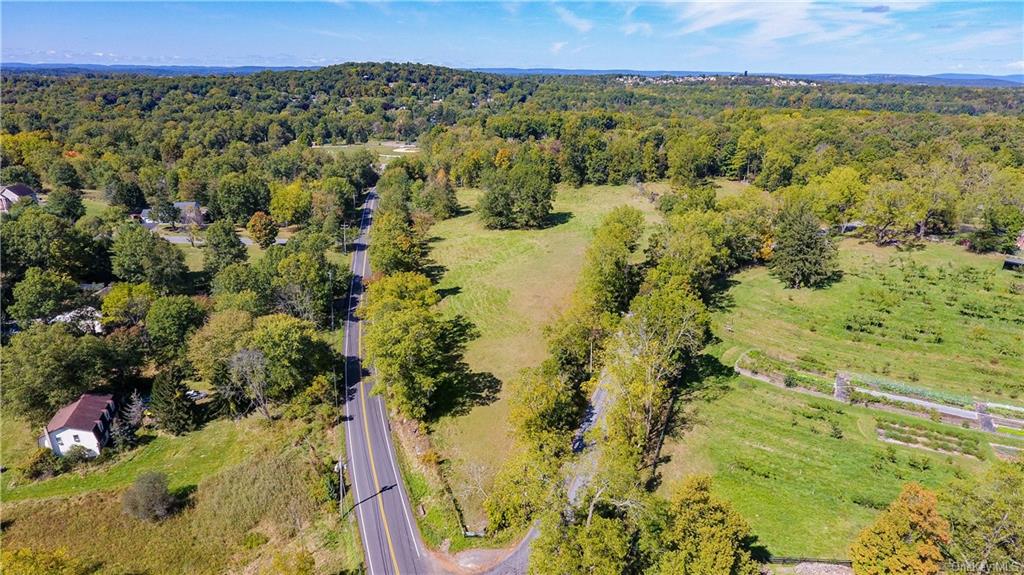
41 294
222 247
169 321
262 230
906 539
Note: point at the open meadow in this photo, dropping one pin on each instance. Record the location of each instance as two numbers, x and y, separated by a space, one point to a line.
510 284
248 492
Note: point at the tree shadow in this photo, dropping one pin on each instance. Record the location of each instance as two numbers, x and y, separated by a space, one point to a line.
911 245
183 498
460 389
433 270
719 297
555 219
463 393
758 551
449 291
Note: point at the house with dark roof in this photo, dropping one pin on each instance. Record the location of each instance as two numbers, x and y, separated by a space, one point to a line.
14 193
188 213
85 422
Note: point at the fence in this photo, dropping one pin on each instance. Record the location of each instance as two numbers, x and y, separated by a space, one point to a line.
795 560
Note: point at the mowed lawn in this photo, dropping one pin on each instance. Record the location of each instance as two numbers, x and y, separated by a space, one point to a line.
773 455
510 284
185 459
939 317
384 149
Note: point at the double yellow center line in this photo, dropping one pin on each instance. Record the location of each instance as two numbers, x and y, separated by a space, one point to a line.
369 446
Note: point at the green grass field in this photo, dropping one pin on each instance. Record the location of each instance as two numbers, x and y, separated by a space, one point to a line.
509 284
185 459
938 318
773 455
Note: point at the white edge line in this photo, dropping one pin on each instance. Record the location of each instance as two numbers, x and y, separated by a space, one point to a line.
348 436
401 491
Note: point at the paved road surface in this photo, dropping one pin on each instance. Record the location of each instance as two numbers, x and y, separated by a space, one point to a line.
391 541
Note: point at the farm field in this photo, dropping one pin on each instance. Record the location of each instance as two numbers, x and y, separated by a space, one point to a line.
939 318
776 457
510 284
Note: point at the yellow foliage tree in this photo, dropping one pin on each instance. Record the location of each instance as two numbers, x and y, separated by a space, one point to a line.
906 538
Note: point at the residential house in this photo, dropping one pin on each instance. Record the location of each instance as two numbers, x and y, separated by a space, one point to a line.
14 193
86 423
86 319
188 213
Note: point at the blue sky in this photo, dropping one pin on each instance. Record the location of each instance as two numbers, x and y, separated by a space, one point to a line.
797 36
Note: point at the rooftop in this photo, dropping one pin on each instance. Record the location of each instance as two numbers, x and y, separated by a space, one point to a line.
20 190
82 413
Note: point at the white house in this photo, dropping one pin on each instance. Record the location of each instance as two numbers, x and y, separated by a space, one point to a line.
87 319
14 193
86 422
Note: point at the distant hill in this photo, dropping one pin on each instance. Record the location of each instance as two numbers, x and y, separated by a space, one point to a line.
73 69
978 80
961 80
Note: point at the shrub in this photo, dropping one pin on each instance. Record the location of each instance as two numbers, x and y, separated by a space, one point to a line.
254 539
148 498
75 455
43 463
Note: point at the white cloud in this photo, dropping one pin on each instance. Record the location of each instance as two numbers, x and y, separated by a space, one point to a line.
581 25
807 21
637 28
999 37
1018 65
557 47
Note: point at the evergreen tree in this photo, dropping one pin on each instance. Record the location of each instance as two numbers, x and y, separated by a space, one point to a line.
173 411
805 256
65 204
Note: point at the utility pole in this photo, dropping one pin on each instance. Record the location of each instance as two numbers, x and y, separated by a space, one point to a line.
334 370
341 483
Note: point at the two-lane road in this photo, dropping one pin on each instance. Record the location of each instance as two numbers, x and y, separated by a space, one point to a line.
391 541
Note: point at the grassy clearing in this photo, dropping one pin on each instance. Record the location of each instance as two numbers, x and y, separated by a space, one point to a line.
509 284
386 149
185 459
250 490
728 188
94 201
775 455
938 318
17 443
